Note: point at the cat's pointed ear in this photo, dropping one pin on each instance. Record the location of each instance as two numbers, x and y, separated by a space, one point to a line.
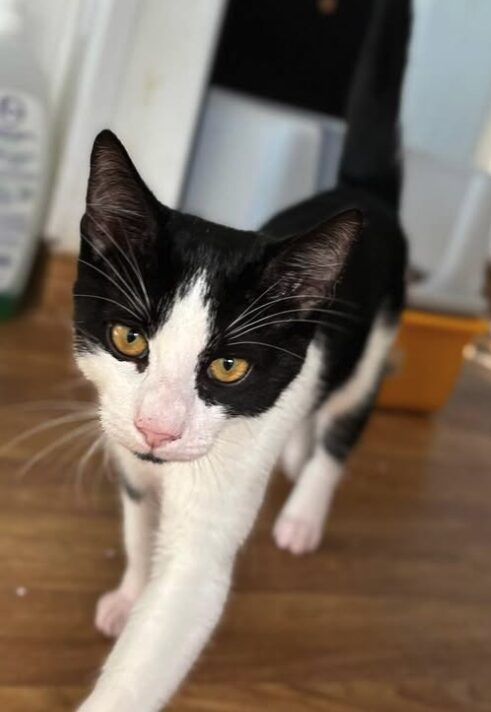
119 205
308 266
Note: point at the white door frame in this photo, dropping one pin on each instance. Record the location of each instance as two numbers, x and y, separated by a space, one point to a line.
139 67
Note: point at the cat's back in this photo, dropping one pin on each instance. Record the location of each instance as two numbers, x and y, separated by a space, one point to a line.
380 217
371 286
376 266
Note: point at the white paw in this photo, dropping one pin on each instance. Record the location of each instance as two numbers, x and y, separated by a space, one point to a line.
112 612
297 535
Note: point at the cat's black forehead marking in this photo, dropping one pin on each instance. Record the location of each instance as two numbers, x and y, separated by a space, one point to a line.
167 267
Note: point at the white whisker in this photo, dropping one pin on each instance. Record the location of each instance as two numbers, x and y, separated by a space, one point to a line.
262 307
113 210
125 278
133 264
126 290
266 319
48 405
85 459
138 273
248 308
52 447
328 325
271 346
53 423
83 332
110 301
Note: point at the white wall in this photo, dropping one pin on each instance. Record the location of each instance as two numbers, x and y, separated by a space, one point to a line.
448 87
52 24
484 145
447 105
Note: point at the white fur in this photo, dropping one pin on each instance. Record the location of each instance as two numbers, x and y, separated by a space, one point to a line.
301 523
208 507
300 526
207 501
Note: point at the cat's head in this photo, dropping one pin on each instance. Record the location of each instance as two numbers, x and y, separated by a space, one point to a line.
182 324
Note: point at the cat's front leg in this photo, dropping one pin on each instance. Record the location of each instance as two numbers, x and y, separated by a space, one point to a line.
139 520
165 633
205 517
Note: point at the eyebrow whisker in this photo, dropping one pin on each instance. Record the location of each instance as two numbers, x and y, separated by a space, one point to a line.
110 301
271 346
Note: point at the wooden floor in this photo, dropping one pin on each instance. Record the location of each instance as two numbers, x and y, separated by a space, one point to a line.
393 614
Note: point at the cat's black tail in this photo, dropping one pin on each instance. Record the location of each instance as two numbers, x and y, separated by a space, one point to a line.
371 154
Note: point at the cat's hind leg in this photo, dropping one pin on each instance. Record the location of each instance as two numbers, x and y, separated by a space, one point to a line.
338 424
297 449
300 525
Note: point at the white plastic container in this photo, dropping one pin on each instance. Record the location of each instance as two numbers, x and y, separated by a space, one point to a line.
23 154
251 159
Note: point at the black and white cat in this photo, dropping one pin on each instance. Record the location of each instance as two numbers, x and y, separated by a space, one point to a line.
214 352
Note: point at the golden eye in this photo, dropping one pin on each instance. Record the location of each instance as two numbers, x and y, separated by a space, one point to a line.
128 341
228 370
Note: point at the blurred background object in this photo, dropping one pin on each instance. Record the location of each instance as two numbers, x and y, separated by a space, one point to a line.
24 178
233 110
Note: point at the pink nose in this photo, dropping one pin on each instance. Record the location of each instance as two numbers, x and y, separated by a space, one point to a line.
155 438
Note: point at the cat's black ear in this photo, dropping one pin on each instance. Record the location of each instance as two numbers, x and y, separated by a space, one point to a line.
119 207
309 265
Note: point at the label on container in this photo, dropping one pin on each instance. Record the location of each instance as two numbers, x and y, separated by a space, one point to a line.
21 123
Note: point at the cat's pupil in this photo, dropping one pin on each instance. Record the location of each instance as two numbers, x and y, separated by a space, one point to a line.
131 336
228 363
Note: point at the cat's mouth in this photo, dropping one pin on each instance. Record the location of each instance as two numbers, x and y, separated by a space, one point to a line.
149 457
156 460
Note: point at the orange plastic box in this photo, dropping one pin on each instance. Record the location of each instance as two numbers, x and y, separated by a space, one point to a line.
426 360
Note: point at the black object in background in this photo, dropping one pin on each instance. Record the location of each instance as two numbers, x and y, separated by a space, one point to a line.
293 51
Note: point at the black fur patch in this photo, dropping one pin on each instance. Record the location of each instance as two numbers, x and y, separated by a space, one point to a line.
133 493
344 431
149 457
